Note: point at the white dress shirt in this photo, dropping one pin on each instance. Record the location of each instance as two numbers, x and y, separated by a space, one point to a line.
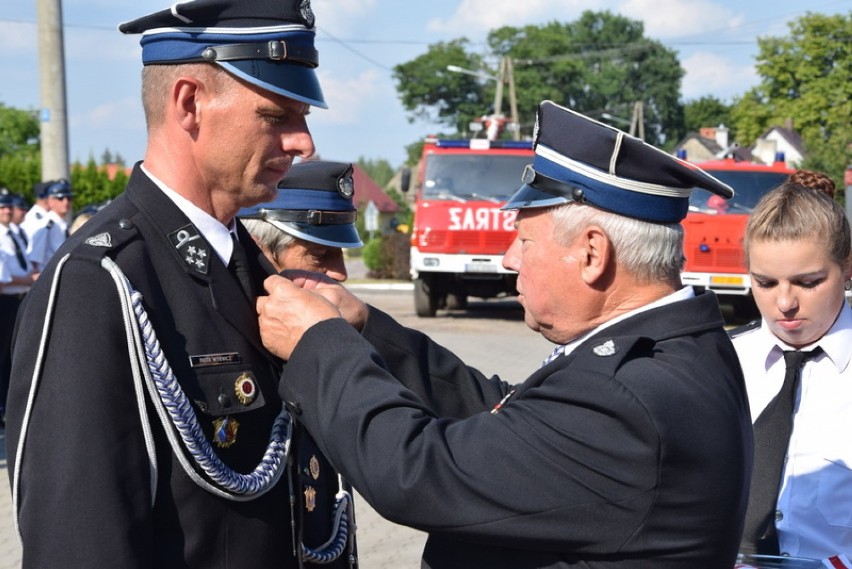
33 218
814 517
45 239
218 235
10 266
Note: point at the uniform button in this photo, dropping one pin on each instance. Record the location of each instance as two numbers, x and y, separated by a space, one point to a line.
125 224
224 401
779 515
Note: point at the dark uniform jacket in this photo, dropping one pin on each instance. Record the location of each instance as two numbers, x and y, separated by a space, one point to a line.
86 496
632 451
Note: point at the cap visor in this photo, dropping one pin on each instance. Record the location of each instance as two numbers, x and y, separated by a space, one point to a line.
527 196
294 81
344 235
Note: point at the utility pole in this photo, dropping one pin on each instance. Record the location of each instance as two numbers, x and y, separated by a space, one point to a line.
53 116
507 75
637 123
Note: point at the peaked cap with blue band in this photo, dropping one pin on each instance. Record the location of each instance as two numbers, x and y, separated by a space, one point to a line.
60 188
268 43
314 203
578 159
6 198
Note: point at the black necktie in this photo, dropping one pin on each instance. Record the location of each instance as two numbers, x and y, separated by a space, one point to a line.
239 267
771 437
23 235
18 252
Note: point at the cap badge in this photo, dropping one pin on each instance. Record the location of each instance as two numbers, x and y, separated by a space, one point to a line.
307 13
245 389
608 348
314 467
100 240
310 498
192 248
346 186
225 431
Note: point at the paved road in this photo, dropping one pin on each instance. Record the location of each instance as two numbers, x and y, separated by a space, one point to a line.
490 336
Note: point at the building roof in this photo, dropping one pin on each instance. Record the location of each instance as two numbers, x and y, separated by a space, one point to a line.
790 135
366 190
709 143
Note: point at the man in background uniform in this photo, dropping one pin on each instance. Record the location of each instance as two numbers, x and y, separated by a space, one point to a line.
19 213
47 233
146 431
16 276
39 209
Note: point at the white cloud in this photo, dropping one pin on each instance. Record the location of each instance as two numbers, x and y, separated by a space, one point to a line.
678 18
476 17
348 99
17 37
711 74
337 16
125 113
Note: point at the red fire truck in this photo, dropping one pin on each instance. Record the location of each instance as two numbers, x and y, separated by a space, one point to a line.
714 229
459 233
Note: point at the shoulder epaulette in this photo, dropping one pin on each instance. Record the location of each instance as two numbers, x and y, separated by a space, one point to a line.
745 328
110 237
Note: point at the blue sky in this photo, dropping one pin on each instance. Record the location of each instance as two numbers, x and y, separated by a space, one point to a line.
360 41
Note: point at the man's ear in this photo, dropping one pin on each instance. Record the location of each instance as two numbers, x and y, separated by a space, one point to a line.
185 102
597 255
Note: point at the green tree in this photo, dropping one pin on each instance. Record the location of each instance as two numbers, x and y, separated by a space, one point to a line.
429 91
602 63
92 185
805 76
706 111
20 171
19 131
380 171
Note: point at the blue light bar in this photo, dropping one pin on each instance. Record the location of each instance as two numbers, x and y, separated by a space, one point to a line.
519 144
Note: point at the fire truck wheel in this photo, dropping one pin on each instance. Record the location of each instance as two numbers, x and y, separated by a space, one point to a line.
425 300
456 301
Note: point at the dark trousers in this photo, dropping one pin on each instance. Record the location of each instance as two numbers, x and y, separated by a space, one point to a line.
9 304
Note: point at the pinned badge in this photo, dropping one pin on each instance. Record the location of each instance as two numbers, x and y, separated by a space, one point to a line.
100 240
608 348
245 389
310 498
502 402
314 467
346 185
225 431
192 248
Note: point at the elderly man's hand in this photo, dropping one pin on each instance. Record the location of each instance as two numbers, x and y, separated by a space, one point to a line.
288 312
350 306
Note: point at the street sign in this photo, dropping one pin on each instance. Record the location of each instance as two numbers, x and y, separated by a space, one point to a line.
371 217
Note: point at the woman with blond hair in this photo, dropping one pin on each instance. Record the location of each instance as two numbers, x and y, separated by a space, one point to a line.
795 360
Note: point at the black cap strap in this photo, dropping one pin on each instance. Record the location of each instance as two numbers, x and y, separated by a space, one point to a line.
551 186
311 217
275 50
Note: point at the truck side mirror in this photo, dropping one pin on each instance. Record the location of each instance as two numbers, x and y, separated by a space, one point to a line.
405 180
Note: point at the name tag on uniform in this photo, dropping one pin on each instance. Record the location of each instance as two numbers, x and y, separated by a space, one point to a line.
207 360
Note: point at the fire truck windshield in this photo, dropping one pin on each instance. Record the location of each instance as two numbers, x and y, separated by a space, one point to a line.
749 187
491 177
